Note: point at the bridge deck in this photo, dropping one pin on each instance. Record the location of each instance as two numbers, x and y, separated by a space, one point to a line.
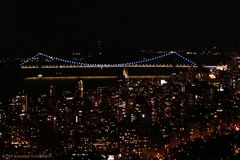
99 77
130 66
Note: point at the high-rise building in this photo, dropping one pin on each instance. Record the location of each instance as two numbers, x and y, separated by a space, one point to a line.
2 122
52 99
20 103
125 72
24 99
52 91
2 116
80 88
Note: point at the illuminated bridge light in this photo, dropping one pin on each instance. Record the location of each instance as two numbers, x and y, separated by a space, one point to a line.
131 63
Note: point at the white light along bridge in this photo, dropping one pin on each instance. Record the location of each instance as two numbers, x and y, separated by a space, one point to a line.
30 63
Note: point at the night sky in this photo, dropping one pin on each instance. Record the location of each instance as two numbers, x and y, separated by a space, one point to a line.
27 27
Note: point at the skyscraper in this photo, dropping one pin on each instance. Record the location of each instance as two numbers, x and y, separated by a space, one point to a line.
80 88
52 91
24 100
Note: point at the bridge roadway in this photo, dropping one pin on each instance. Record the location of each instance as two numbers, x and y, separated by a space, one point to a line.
98 77
103 72
110 66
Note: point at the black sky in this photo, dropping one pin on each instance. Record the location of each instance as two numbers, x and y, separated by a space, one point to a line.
72 26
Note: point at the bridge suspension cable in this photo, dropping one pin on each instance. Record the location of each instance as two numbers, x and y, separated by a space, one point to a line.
131 63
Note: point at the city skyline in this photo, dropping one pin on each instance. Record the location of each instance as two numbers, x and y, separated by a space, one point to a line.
119 80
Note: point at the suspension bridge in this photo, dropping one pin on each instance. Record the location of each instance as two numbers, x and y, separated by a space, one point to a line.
167 60
155 61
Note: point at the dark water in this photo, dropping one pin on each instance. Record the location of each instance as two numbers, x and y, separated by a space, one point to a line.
12 82
10 86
